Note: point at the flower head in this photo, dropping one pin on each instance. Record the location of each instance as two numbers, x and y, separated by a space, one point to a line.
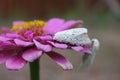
28 41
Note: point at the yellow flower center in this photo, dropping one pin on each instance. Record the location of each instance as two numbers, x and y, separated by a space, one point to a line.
36 26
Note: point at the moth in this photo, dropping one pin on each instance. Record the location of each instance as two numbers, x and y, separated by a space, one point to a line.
75 36
79 36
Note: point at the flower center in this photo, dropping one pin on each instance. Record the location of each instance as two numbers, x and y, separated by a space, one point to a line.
35 26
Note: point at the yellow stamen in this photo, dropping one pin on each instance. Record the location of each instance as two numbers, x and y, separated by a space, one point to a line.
29 25
36 26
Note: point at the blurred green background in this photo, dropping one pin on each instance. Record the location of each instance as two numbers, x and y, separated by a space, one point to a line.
101 17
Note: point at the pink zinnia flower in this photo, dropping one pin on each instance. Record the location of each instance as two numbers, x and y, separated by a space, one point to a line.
28 41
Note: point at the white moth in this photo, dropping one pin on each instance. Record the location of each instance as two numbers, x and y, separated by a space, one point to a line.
79 36
76 36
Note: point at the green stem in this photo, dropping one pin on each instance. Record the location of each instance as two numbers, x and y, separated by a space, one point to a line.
34 70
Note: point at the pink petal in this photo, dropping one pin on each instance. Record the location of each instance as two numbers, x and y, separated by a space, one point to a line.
6 45
22 43
46 48
15 63
29 34
4 56
14 35
60 60
82 49
32 54
52 25
55 25
77 48
4 38
66 25
46 38
58 45
87 50
17 22
70 24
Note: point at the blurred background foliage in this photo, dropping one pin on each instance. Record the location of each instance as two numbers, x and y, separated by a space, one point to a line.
101 17
92 11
